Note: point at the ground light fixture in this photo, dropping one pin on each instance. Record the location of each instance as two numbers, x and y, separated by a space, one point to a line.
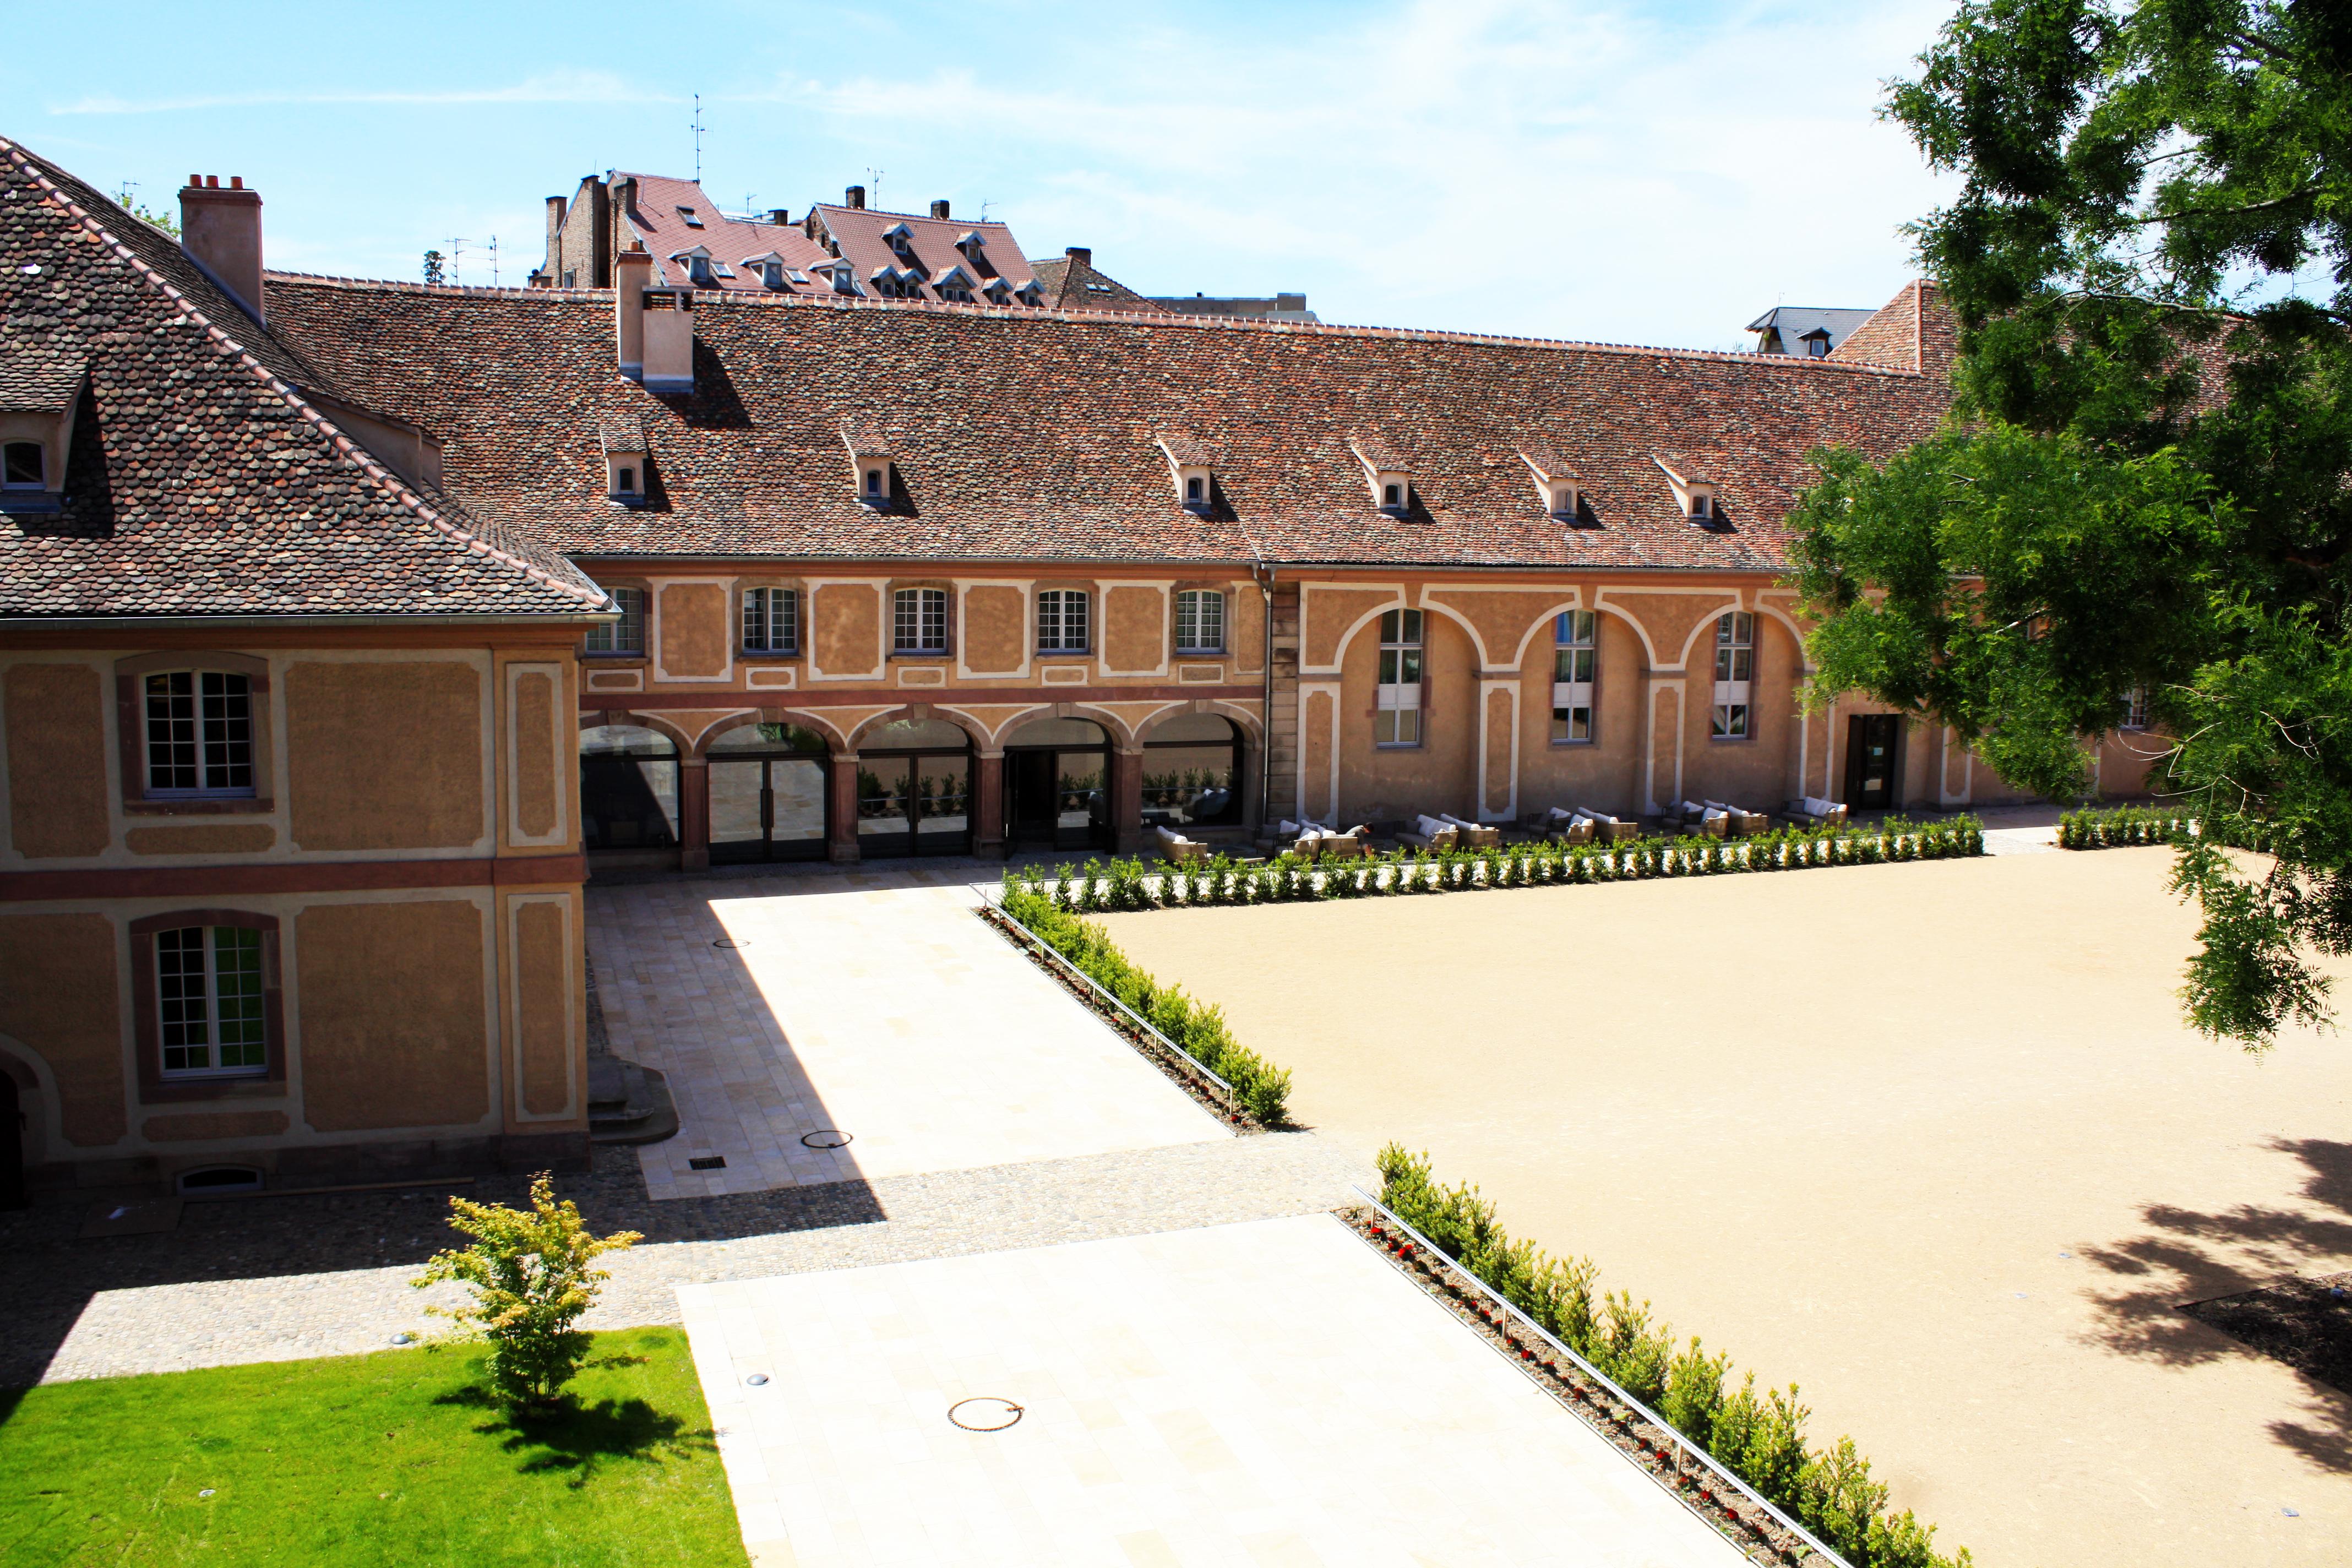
984 1413
825 1138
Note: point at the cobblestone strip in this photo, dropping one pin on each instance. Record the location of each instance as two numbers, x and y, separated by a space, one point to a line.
170 1327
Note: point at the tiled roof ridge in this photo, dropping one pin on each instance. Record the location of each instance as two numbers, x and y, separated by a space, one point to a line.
1798 364
357 454
892 211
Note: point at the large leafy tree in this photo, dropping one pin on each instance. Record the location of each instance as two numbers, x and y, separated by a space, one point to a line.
2147 481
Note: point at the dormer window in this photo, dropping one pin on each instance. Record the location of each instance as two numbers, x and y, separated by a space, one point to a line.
1817 342
1694 495
1391 497
844 282
1384 470
1032 293
22 466
698 271
869 459
692 219
624 462
771 274
901 241
1190 465
1556 484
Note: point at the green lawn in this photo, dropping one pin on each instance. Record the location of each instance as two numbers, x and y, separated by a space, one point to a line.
397 1459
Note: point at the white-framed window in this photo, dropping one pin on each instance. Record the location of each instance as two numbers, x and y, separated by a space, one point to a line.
919 623
1735 673
624 479
208 1002
626 635
1396 718
1392 498
698 271
1196 491
1062 620
692 219
199 733
1572 661
771 274
23 467
1702 506
1201 621
2136 708
772 620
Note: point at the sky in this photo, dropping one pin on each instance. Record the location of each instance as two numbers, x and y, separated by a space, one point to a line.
1656 173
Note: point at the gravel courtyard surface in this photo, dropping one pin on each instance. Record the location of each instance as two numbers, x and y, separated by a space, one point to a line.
1929 1140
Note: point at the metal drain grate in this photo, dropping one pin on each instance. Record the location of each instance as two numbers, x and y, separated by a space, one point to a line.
825 1138
985 1413
707 1162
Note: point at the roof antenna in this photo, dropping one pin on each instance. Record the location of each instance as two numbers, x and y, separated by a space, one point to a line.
698 139
984 206
457 262
874 183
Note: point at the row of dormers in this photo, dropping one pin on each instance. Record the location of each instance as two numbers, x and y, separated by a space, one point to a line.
954 283
1191 467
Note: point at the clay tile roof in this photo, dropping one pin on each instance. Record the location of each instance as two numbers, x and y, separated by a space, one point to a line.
207 483
1033 429
1687 468
1377 454
623 433
1184 447
1546 460
40 385
865 438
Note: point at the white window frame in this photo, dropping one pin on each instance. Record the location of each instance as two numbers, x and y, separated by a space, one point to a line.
1200 621
627 635
196 1024
919 621
772 620
212 719
1064 620
1402 670
2135 708
1734 714
1575 662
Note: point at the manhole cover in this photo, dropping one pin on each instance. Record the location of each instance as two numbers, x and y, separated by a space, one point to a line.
757 1380
733 941
707 1162
986 1414
824 1138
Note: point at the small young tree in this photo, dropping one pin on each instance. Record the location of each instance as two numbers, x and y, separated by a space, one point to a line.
433 260
529 1273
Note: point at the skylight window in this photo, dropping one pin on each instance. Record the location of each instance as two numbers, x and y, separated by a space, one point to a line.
692 221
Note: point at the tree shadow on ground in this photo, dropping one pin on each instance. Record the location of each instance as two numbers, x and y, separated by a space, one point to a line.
582 1438
2185 1256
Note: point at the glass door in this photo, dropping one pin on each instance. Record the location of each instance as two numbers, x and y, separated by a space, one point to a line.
943 803
885 805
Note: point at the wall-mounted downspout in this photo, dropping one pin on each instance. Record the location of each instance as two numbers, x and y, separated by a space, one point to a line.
1261 572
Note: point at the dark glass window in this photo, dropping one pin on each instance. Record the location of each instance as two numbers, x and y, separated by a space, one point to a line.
199 733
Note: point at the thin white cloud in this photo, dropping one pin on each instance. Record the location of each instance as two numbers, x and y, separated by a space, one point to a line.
557 86
1574 167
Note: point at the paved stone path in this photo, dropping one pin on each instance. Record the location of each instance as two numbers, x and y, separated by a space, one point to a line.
168 1327
875 1004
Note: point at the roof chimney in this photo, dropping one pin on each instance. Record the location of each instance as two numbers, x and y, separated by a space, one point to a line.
855 196
632 270
939 208
780 217
1080 256
220 230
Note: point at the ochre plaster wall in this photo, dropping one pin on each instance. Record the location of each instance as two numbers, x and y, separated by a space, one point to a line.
1670 618
203 838
694 631
392 1021
1497 784
1246 629
1758 773
1605 775
845 626
386 755
1383 784
1501 618
542 971
537 748
995 630
1135 628
188 1126
1327 615
54 719
59 998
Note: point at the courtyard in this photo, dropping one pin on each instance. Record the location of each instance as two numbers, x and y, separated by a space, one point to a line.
1929 1140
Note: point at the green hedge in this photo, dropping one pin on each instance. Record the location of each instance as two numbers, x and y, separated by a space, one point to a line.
1134 884
1759 1438
1199 1029
2117 826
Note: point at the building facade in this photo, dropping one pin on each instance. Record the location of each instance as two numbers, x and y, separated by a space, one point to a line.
347 626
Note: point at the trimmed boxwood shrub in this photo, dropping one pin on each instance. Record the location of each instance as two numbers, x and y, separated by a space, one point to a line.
2121 826
1263 1088
1133 884
1759 1438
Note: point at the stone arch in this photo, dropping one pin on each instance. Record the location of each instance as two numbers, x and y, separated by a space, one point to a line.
675 736
745 717
1339 648
1247 722
1573 601
1707 627
1477 642
1601 606
975 734
36 1096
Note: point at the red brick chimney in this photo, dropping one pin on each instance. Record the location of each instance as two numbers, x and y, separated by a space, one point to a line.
220 231
855 196
939 209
